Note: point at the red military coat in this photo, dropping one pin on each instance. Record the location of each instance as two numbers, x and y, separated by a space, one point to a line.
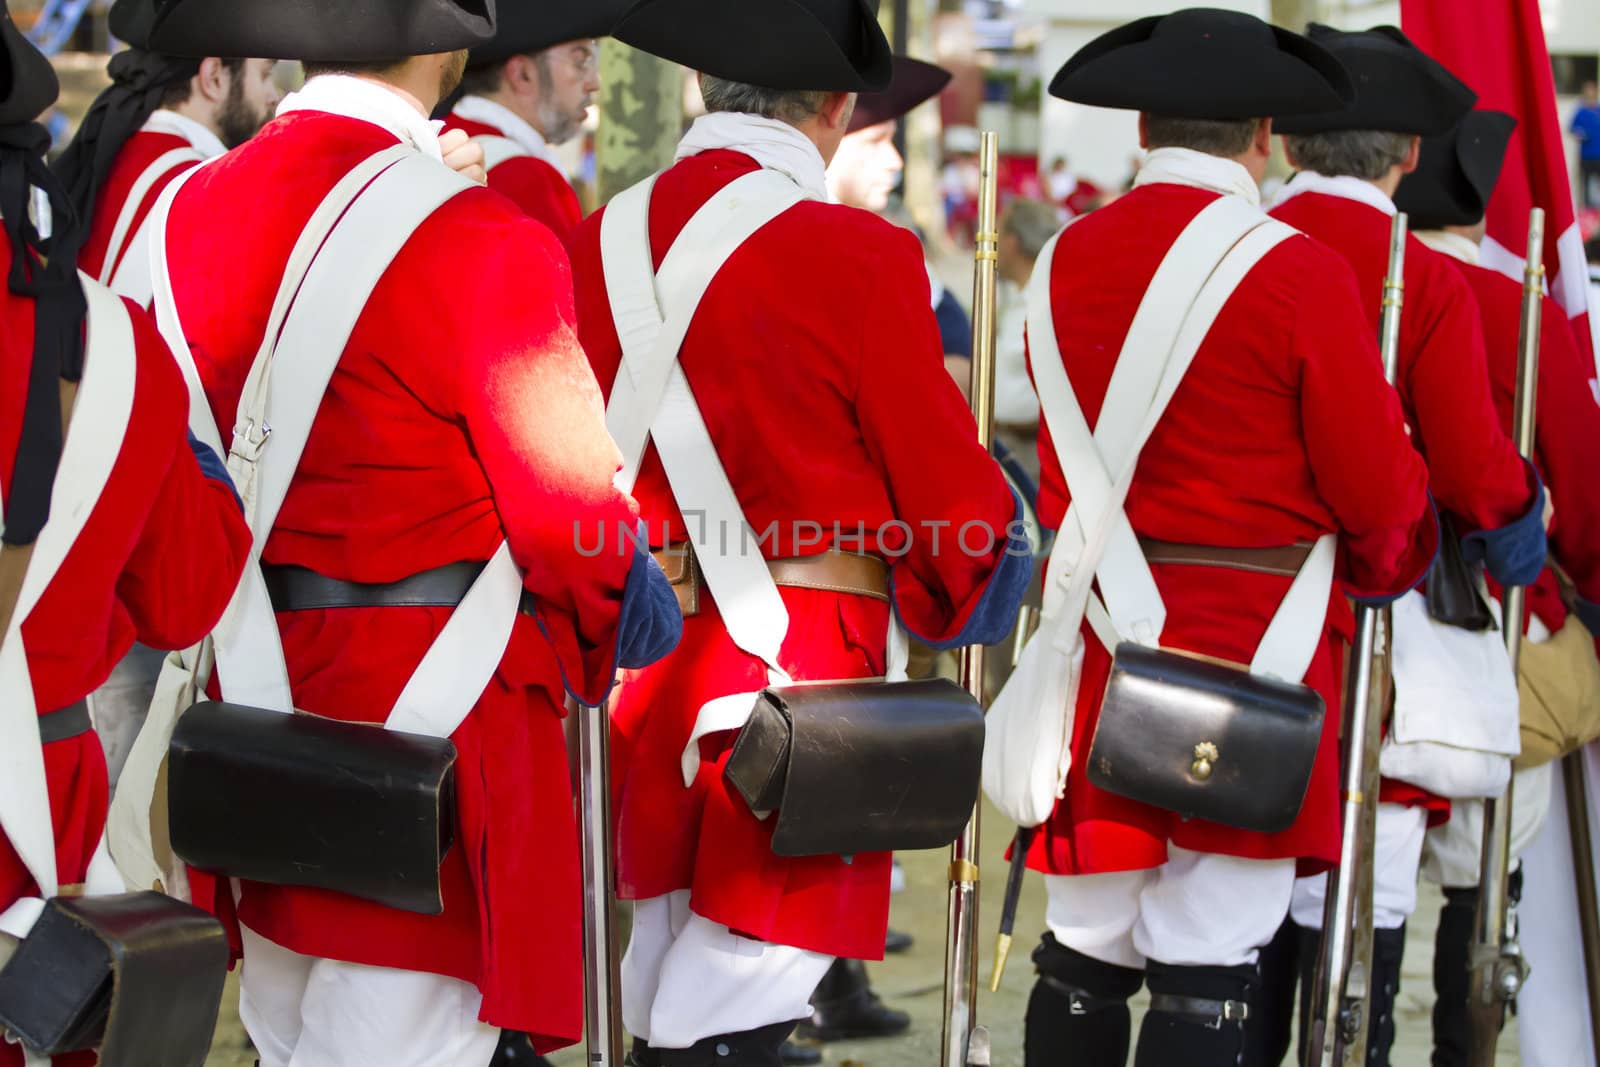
1283 430
156 562
532 182
1474 471
815 359
1567 431
141 152
461 413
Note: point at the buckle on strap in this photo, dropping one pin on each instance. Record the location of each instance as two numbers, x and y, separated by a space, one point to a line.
1212 1013
1081 1001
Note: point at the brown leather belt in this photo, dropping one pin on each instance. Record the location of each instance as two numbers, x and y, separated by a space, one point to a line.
834 572
1284 560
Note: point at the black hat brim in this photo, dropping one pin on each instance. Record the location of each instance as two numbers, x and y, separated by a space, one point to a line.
524 27
320 31
914 84
1204 63
131 21
28 84
1399 88
773 44
1457 172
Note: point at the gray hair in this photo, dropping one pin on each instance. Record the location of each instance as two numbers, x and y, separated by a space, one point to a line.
793 106
1032 223
1364 154
1214 137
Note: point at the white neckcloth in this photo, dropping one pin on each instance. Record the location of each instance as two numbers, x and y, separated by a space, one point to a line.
1357 189
204 140
370 101
1453 245
775 145
1184 166
511 126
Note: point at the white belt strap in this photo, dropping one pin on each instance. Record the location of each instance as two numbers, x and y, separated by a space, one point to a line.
166 313
94 440
1209 261
497 149
131 276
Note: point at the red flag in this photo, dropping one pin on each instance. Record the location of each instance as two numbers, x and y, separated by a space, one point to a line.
1498 48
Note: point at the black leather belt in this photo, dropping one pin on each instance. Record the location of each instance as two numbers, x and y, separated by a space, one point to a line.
70 721
299 589
1211 1012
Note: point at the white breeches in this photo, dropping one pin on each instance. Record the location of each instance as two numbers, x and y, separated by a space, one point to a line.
686 978
1196 910
1397 853
301 1011
1450 855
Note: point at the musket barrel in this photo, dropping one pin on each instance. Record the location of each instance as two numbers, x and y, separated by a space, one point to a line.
1497 966
961 956
1338 1027
602 1007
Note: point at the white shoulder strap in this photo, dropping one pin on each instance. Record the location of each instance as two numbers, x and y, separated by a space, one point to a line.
131 270
1230 238
651 396
94 440
166 312
497 149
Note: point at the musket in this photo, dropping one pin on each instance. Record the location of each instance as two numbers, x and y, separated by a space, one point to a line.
964 1043
1494 957
1337 1031
602 1008
1572 777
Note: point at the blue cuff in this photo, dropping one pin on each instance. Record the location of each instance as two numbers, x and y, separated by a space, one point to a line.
212 467
1515 553
995 615
1588 613
651 623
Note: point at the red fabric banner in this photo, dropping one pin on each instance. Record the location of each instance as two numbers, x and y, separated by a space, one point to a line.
1498 47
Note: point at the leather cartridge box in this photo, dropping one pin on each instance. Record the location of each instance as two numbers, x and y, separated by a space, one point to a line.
137 975
868 766
305 801
1205 739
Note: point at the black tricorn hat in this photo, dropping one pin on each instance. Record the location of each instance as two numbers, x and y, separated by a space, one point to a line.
28 84
821 45
523 27
1458 171
1204 63
915 83
1399 87
132 20
322 31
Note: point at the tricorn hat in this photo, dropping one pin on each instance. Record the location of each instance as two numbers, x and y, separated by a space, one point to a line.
1204 63
915 83
131 21
1399 87
28 84
1457 173
823 45
523 27
322 31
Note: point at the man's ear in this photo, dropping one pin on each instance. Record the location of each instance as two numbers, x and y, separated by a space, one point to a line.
1413 156
837 110
211 83
1263 138
1144 133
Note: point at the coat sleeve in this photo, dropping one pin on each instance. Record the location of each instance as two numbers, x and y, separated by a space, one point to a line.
532 409
542 192
194 543
1568 440
965 563
1362 462
1473 468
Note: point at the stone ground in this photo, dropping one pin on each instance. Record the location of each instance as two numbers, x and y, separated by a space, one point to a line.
914 981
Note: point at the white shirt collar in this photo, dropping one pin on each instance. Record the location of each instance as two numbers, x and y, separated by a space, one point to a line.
773 144
200 136
510 124
1453 245
1357 189
1184 166
370 101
